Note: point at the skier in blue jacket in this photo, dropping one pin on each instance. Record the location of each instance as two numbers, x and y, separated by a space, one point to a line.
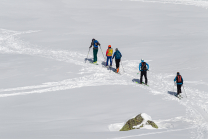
179 81
117 56
95 44
143 67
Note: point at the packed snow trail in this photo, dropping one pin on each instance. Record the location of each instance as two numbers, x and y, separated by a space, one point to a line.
95 75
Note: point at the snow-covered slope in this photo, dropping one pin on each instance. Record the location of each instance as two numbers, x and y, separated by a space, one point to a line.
48 90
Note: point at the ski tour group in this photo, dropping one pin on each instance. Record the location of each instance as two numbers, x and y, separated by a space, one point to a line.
143 66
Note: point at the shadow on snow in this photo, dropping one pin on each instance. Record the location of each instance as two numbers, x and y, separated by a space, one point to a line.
89 59
136 80
109 68
172 93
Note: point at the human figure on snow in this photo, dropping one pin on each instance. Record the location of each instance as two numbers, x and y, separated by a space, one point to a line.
109 54
117 56
95 44
179 81
143 67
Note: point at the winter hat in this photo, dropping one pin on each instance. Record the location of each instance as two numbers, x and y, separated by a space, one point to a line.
116 49
178 73
109 46
142 60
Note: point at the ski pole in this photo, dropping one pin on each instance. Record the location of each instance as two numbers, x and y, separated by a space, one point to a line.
111 66
174 84
184 91
122 66
102 52
87 55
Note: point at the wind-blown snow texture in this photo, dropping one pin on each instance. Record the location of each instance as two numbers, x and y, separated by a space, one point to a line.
48 90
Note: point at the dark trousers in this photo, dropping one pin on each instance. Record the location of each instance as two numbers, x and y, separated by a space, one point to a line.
179 89
145 76
117 63
95 51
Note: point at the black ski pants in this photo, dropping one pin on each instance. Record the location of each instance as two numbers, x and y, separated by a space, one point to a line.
179 89
117 63
143 73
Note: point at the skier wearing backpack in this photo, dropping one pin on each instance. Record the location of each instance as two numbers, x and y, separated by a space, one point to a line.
143 67
95 44
117 56
109 54
179 81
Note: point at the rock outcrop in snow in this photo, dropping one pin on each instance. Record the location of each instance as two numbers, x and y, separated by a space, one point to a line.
138 122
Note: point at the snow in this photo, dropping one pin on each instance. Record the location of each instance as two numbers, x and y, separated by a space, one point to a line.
116 126
200 3
47 90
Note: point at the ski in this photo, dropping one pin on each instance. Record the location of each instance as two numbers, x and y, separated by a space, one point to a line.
107 67
179 96
143 84
94 63
117 72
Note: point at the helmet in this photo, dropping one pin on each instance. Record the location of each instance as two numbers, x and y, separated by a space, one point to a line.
109 46
116 49
178 73
93 39
142 60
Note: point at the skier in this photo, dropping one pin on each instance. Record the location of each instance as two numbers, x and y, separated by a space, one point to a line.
179 81
95 44
143 67
117 56
109 54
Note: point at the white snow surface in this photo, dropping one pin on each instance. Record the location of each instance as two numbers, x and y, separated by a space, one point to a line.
48 91
200 3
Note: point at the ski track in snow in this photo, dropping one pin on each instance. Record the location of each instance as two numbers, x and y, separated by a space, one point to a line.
153 133
196 104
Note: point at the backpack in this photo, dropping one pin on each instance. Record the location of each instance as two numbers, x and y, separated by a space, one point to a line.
95 43
110 52
144 66
179 79
118 55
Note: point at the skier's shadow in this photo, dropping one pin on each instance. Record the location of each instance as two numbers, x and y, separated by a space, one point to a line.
113 69
136 80
104 65
172 93
89 59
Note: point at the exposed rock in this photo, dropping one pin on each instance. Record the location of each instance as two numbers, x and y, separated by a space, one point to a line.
137 123
152 124
132 122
